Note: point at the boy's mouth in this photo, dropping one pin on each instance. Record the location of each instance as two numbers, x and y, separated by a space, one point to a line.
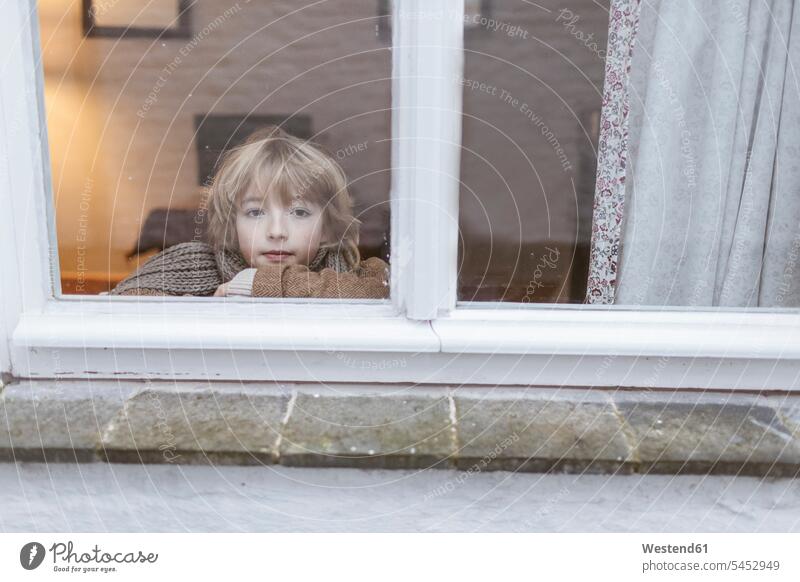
277 255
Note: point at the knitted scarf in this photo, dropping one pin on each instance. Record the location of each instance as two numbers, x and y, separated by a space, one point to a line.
196 268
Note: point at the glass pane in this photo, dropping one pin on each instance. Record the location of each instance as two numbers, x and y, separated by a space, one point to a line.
533 80
139 127
711 205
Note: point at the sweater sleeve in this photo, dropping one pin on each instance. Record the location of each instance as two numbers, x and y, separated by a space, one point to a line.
242 283
368 282
147 292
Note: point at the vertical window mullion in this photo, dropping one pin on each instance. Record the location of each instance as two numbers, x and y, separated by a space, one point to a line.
24 243
428 64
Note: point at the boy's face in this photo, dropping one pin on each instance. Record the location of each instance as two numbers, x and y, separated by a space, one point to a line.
270 233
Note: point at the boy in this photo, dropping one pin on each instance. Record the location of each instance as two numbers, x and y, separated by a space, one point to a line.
280 225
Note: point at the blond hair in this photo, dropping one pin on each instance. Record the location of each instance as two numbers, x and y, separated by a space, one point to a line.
276 163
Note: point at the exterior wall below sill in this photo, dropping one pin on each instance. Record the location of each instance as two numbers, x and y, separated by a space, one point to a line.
401 427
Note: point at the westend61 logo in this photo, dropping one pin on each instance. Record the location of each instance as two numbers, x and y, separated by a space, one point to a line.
65 559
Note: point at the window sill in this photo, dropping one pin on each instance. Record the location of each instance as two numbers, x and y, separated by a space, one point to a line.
368 342
596 331
411 427
214 324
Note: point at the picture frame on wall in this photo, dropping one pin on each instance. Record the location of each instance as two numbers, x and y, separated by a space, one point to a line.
128 19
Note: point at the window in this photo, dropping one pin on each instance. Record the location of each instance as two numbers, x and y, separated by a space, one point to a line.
444 329
709 216
531 117
139 124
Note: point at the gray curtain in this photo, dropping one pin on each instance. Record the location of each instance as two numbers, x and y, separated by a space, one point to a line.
712 209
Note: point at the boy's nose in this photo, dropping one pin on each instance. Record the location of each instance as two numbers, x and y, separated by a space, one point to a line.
276 228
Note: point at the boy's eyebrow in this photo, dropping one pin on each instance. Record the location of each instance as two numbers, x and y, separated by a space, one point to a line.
261 199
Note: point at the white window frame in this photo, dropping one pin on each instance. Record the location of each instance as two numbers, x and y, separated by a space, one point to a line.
422 335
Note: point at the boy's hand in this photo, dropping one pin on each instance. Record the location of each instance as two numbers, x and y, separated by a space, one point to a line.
222 290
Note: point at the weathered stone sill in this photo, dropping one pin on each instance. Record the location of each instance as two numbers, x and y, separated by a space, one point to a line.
472 429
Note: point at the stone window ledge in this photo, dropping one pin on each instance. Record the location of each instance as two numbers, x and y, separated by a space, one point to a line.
404 427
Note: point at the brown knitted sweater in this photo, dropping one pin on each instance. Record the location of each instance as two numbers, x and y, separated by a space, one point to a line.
195 269
370 281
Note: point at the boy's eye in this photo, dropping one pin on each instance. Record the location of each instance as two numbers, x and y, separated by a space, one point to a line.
301 212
